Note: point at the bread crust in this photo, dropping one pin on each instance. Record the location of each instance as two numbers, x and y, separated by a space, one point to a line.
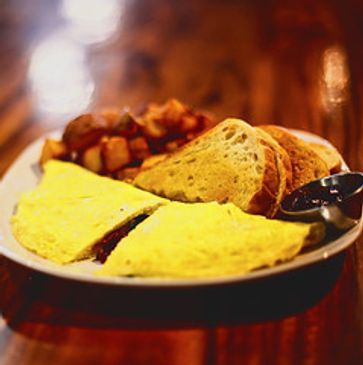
330 155
265 200
284 168
306 164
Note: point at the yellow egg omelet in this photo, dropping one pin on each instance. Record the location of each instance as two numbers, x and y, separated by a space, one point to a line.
181 240
72 208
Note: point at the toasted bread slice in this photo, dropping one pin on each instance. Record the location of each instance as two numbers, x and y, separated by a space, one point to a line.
230 162
306 164
330 155
284 168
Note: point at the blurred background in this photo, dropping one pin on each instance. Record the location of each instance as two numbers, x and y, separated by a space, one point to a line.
284 62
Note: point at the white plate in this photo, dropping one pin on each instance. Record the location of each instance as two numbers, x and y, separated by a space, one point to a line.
24 175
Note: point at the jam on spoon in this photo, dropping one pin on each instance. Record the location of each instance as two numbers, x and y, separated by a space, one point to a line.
335 199
317 197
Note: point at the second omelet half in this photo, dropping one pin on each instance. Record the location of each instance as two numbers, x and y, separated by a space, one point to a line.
200 240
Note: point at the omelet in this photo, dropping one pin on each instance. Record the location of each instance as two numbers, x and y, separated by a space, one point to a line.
72 209
201 240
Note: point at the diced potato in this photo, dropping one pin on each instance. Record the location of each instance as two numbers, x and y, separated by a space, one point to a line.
84 131
191 135
153 129
92 159
115 153
111 115
120 122
53 149
175 144
127 126
153 160
127 174
188 123
139 148
174 109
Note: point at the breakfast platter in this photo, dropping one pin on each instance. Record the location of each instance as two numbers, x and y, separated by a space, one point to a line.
24 175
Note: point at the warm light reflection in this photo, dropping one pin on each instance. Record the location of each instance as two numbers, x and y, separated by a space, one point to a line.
59 77
335 77
92 21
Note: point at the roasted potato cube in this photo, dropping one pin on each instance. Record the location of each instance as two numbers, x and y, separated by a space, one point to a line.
127 174
139 148
115 153
188 123
174 109
127 126
84 131
153 160
153 129
111 115
175 144
92 159
53 149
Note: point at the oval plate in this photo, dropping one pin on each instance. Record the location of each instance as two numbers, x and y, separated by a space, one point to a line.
24 175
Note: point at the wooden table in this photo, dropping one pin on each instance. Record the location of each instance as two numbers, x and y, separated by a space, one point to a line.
298 64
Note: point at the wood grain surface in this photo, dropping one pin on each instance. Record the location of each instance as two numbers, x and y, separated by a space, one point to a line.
293 63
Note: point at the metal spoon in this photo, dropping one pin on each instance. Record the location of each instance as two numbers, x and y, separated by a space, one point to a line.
337 200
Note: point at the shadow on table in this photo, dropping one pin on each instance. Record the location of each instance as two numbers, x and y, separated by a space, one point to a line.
35 297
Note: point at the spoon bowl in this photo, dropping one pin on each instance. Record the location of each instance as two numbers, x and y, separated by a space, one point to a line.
337 200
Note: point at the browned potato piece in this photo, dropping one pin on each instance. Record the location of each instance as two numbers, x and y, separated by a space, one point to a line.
92 158
115 153
173 111
171 118
127 126
111 115
120 122
84 131
153 160
127 174
139 148
173 145
188 123
53 149
153 129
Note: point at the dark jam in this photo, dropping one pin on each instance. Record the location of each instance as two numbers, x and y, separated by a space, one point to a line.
108 243
315 198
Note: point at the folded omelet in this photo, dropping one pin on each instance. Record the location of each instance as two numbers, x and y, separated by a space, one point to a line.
198 240
72 209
